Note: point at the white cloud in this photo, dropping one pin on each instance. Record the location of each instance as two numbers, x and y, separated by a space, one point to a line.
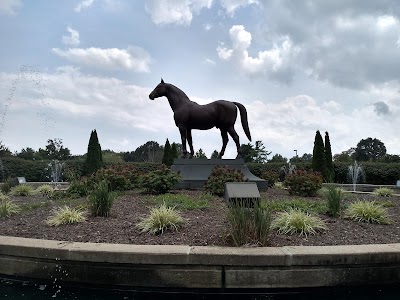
10 7
72 39
231 6
275 62
210 62
133 58
348 45
207 27
175 11
83 5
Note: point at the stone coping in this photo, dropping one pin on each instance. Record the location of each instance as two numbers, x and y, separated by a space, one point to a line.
180 266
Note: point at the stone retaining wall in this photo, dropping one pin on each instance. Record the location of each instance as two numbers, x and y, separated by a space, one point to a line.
160 266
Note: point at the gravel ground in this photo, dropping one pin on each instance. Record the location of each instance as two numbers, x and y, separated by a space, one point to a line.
206 226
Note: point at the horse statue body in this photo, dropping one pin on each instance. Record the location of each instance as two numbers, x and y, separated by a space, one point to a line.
190 115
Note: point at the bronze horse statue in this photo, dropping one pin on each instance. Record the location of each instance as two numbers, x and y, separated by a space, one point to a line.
190 115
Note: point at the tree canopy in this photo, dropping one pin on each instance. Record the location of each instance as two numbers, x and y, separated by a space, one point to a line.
254 153
369 149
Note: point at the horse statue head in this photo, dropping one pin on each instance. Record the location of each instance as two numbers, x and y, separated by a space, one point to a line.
159 91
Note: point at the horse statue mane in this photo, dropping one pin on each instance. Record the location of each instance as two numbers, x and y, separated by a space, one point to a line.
190 115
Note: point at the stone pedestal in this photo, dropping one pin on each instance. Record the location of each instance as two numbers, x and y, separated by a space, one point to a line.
195 171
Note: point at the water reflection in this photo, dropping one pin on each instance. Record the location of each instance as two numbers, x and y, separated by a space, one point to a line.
17 289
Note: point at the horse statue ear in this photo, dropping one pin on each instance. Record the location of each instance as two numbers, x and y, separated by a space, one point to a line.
162 80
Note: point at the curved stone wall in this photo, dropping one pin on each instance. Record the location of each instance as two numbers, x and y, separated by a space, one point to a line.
160 266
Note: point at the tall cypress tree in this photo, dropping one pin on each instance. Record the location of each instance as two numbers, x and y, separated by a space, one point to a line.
318 160
167 156
330 173
174 151
93 157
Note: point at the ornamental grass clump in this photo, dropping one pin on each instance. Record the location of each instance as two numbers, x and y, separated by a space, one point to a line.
45 190
66 215
248 225
101 200
297 221
383 192
368 212
160 219
21 190
8 207
334 198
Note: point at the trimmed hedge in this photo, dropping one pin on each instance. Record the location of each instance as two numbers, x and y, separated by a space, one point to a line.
376 173
37 171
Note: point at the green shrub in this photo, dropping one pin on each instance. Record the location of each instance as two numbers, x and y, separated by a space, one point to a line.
303 183
383 192
219 176
65 215
183 201
21 190
334 198
159 181
45 190
119 177
367 211
79 187
101 200
160 219
297 221
7 207
6 186
271 177
248 226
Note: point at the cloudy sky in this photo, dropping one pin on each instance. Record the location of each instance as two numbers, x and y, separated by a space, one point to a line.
68 67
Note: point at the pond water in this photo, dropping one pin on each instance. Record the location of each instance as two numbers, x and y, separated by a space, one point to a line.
19 289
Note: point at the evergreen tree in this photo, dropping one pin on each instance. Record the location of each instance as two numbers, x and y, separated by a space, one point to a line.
330 173
214 154
94 156
167 156
174 151
318 160
200 154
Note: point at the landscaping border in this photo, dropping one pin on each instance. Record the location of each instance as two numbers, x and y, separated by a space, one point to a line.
199 267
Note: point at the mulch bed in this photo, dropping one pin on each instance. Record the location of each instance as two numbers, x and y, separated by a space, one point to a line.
202 226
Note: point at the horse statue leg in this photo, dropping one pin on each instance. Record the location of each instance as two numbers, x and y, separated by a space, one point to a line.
183 133
190 142
225 139
235 137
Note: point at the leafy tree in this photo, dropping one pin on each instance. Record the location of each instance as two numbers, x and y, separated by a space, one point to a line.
55 150
149 152
390 158
200 154
214 154
343 157
109 156
4 151
330 173
94 156
167 155
277 158
256 153
306 157
318 161
27 153
369 149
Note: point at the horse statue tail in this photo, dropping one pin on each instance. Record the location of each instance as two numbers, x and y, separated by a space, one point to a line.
243 118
